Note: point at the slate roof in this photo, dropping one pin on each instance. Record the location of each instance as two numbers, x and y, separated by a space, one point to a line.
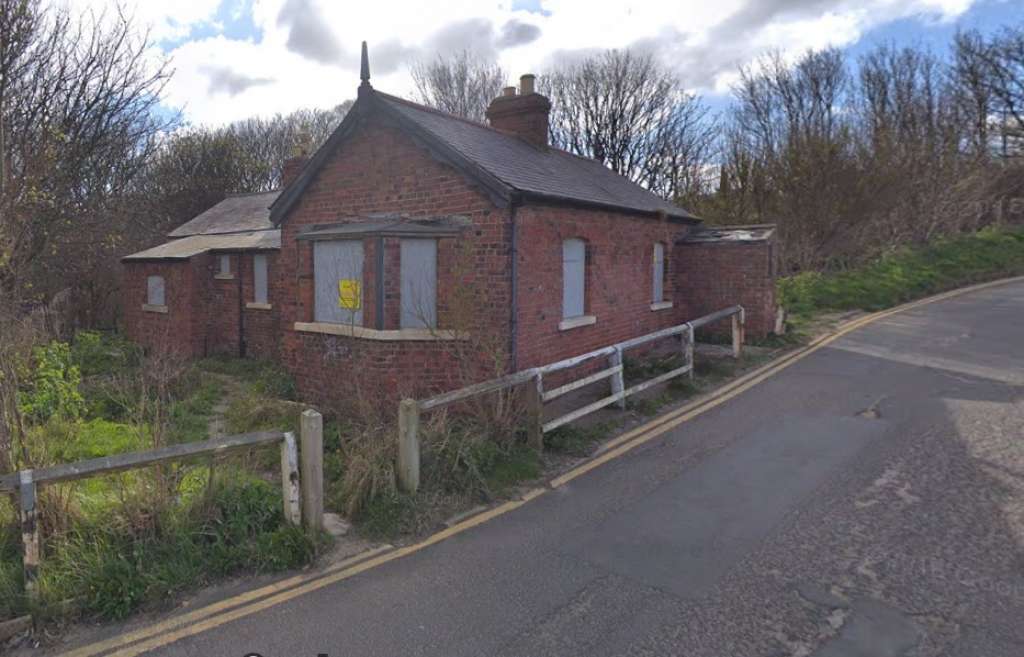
237 213
186 247
504 164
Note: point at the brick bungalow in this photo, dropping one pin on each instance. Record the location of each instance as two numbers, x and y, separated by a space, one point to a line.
417 251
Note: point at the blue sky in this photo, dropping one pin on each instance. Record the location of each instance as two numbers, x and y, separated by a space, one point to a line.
238 58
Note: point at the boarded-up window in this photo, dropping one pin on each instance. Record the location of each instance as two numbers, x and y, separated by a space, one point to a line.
574 261
155 291
658 274
338 277
419 283
259 275
225 265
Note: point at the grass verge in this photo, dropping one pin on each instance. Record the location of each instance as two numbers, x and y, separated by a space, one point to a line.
905 274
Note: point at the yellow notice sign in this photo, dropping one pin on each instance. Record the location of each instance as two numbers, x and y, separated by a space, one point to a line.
349 293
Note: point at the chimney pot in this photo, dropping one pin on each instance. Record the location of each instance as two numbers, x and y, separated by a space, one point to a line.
524 114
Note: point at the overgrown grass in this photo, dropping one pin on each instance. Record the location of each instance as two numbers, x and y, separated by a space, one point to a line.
115 543
576 440
906 274
262 377
463 462
111 564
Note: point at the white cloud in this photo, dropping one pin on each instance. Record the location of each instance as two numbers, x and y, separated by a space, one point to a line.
307 56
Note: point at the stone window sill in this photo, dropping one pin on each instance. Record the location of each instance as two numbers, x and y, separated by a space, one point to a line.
576 322
661 305
154 309
224 277
350 331
258 306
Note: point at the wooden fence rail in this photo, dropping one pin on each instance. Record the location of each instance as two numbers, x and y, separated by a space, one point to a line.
303 496
409 409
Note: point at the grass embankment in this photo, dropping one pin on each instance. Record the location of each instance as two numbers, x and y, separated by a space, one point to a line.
905 274
113 544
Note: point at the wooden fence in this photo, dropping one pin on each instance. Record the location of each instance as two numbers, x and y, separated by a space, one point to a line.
301 478
409 410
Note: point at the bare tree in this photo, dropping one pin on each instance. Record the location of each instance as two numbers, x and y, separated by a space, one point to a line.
999 65
79 120
627 111
462 84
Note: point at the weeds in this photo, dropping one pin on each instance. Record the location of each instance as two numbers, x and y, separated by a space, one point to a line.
577 441
906 274
110 567
263 377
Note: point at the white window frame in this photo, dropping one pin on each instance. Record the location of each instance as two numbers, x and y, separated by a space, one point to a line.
574 285
659 276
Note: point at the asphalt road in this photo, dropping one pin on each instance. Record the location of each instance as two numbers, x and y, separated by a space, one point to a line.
868 500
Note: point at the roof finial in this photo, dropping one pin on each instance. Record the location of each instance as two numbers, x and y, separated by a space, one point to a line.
364 67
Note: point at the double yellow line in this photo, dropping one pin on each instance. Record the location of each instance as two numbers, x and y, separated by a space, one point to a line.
214 615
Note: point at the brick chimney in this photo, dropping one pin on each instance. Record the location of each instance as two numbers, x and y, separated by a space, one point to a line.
524 114
291 167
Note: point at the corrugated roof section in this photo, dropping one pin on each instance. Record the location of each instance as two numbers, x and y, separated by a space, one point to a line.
730 234
237 213
186 247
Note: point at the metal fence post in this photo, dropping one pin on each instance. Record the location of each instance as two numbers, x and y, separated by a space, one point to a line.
619 378
290 482
409 445
312 468
29 532
535 412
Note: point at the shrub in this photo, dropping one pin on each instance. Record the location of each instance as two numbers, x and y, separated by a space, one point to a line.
53 387
96 353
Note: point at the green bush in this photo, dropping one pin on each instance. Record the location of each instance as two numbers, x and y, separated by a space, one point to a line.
906 274
96 353
53 386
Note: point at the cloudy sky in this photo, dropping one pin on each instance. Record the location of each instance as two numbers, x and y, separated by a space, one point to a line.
237 58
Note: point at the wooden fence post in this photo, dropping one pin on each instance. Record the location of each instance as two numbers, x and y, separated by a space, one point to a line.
689 340
535 412
409 445
29 532
312 469
619 378
738 325
290 489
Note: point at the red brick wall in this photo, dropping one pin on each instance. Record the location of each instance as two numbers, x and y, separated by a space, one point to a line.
222 312
180 329
261 327
380 169
713 276
618 284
